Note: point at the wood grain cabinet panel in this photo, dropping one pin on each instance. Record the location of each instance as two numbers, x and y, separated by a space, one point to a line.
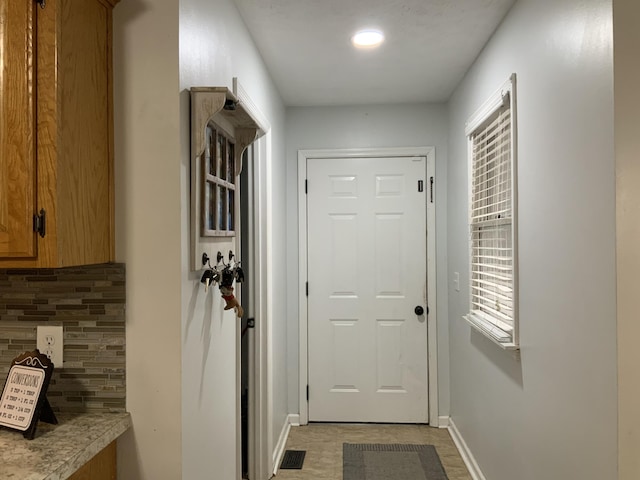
101 467
70 133
17 120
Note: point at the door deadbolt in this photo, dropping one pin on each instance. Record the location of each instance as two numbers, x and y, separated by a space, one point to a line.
419 310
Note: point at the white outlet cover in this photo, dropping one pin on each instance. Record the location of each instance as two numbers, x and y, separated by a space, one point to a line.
50 343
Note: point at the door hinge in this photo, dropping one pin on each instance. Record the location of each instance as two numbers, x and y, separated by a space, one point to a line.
431 181
307 288
307 393
40 223
306 186
42 3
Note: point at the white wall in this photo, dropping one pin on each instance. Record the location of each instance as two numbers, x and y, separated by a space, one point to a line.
148 218
215 47
366 127
626 19
551 413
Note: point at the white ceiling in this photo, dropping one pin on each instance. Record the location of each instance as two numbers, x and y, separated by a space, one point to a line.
430 44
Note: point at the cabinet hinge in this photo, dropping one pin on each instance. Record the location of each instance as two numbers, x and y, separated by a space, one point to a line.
42 3
40 223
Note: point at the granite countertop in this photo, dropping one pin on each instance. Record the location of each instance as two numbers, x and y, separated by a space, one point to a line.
58 450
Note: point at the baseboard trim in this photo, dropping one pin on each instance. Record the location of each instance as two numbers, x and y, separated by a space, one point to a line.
465 453
294 420
282 441
443 422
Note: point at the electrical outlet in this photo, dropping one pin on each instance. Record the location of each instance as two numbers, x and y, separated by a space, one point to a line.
50 343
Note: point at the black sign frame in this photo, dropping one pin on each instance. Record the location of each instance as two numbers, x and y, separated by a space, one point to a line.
24 397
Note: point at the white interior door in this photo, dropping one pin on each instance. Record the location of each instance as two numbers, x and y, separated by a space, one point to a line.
367 348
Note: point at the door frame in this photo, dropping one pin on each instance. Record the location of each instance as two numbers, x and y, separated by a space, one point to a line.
432 332
260 396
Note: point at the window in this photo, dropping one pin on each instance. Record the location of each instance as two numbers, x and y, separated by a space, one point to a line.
219 187
492 218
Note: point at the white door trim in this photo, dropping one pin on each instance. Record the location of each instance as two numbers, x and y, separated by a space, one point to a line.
429 153
261 410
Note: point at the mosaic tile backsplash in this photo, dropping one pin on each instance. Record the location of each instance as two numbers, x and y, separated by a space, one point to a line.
89 303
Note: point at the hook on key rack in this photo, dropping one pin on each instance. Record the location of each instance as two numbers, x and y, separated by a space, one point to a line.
225 277
211 275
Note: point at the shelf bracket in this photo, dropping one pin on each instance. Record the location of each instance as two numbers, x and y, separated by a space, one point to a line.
206 103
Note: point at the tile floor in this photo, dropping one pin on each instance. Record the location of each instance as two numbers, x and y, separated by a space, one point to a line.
323 443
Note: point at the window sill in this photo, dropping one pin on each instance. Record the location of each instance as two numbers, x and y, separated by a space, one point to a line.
491 332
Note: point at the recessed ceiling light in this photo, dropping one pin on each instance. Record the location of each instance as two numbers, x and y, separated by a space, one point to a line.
367 38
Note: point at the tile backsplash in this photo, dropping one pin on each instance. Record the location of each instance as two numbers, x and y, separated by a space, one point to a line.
89 303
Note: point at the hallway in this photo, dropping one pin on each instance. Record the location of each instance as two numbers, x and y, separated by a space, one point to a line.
577 209
323 444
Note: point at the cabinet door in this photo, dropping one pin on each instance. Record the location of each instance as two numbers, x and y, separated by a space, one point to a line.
84 176
101 467
17 120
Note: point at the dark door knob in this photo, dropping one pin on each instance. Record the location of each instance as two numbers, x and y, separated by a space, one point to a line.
419 310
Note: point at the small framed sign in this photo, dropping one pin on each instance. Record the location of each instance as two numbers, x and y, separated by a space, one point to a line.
24 397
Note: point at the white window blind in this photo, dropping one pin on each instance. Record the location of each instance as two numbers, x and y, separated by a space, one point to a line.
491 220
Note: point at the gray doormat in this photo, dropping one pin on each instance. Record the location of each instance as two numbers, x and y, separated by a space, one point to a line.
391 462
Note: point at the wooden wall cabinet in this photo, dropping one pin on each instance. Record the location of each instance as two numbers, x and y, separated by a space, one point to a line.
56 132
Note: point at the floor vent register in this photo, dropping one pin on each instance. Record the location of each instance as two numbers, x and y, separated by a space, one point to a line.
293 459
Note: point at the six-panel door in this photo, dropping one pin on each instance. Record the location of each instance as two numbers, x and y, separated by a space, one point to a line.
367 273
